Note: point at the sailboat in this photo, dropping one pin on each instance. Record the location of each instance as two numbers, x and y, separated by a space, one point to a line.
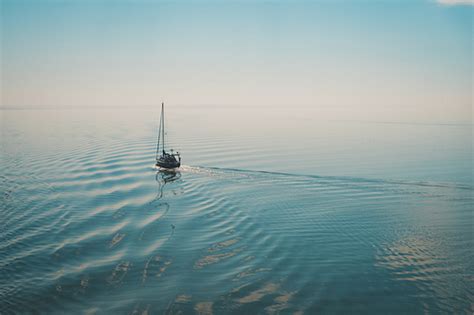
164 159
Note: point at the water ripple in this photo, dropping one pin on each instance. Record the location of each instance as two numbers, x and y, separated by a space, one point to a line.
97 229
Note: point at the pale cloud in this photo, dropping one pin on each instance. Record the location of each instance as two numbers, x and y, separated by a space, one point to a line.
456 2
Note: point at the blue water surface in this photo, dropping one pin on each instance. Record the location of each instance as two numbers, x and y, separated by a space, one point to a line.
273 212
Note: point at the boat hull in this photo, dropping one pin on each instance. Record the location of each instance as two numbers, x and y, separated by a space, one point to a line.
168 165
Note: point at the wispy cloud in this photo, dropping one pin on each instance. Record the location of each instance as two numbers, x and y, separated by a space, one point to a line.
456 2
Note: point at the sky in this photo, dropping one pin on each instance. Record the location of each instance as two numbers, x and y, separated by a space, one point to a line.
394 56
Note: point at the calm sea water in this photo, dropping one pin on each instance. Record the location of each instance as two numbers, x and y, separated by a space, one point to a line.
274 211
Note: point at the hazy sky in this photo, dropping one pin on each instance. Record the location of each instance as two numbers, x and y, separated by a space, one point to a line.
413 55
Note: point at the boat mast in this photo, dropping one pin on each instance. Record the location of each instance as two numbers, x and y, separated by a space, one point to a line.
163 124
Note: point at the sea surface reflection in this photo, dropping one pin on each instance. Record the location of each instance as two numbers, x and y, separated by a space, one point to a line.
290 216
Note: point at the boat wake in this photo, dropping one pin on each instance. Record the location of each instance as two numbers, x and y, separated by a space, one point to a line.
237 172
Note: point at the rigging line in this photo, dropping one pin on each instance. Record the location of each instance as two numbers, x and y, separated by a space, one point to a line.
158 142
